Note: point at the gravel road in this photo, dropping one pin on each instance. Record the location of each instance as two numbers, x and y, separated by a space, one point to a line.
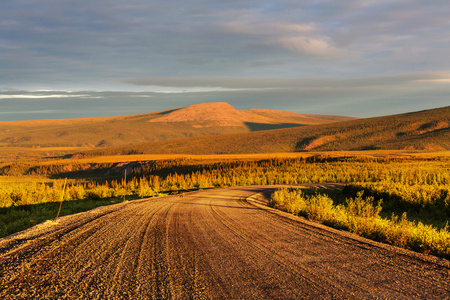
211 244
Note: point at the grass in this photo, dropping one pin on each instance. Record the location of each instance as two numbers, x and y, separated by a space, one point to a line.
17 218
199 158
361 215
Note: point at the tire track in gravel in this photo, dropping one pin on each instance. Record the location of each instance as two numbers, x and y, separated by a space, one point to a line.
22 256
212 244
22 247
323 286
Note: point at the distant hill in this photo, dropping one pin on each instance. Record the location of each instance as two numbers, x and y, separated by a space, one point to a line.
423 130
192 121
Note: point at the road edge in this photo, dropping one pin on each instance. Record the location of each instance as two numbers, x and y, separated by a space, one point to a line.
260 200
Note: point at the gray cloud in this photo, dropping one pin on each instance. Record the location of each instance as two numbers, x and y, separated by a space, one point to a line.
312 44
281 83
360 97
358 100
97 38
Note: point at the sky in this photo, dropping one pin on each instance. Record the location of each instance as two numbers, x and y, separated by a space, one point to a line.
92 58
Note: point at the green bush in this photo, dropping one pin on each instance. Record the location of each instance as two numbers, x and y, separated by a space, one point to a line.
361 216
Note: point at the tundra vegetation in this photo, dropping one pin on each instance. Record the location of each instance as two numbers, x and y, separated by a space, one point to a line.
402 200
424 130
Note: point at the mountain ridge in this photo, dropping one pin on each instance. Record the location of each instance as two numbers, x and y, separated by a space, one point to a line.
422 130
195 120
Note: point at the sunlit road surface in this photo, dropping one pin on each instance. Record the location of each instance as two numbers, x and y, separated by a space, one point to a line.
210 244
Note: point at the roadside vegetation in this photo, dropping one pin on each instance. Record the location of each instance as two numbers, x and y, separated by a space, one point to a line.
362 215
402 200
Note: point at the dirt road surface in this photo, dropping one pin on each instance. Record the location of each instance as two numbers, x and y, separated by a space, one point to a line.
211 244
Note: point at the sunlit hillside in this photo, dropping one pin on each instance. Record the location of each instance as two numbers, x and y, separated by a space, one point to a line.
192 121
423 130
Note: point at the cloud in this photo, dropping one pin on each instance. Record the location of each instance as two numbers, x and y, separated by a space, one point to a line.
49 94
256 26
435 77
189 89
316 46
224 84
441 80
152 86
60 43
360 97
305 38
31 112
31 96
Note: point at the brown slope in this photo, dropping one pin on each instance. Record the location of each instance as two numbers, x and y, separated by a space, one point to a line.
220 114
196 120
307 119
424 130
223 114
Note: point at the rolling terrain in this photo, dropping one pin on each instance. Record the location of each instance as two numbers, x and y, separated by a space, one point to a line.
192 121
423 130
211 244
221 243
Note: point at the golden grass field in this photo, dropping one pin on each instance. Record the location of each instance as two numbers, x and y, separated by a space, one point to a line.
253 156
